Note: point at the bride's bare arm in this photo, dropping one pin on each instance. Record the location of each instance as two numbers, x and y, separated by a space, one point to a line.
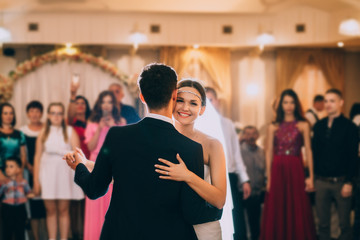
214 193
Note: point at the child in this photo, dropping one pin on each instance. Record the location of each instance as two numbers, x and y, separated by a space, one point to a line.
15 191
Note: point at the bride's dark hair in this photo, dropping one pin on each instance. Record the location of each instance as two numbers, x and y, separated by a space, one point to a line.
194 84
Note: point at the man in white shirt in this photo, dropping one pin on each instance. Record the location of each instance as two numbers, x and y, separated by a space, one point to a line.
313 114
236 169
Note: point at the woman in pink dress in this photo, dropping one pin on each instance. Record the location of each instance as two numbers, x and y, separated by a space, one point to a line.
104 115
287 210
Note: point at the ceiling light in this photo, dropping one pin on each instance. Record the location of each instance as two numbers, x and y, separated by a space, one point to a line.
196 46
68 49
265 38
350 27
137 37
340 44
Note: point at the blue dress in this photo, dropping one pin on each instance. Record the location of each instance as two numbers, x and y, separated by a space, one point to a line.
10 145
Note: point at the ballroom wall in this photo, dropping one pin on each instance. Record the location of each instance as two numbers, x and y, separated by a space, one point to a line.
175 28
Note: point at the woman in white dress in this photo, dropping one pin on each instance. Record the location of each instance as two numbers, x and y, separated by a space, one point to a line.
52 178
191 101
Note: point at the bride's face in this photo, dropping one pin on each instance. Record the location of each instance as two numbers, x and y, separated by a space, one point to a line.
188 106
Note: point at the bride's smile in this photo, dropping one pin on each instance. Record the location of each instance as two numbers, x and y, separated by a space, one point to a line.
188 105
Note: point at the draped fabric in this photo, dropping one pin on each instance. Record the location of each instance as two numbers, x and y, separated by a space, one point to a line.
51 83
252 91
214 61
332 64
310 83
289 65
291 62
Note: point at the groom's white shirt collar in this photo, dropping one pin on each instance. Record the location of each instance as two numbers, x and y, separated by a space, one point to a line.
160 117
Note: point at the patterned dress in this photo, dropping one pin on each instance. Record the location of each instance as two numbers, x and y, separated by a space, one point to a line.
287 210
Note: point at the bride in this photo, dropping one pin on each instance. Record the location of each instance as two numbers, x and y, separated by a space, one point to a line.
191 101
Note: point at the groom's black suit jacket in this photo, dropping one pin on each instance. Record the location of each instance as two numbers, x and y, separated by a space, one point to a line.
142 205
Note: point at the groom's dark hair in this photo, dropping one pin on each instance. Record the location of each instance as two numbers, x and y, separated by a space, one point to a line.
157 82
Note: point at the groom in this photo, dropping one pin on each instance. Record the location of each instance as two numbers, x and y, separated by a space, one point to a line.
142 205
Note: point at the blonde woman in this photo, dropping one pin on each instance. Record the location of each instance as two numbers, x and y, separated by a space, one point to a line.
53 180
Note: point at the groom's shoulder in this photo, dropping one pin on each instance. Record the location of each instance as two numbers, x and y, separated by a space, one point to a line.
187 141
115 130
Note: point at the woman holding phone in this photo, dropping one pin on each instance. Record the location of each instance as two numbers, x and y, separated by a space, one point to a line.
104 115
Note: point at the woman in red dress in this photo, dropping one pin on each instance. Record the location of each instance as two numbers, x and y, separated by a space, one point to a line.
287 210
78 114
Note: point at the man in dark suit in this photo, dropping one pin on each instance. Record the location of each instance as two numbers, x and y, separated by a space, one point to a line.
143 206
335 150
126 111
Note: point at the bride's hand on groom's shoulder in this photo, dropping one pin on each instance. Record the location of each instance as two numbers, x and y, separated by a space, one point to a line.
172 171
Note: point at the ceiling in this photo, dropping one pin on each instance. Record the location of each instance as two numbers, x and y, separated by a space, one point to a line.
175 6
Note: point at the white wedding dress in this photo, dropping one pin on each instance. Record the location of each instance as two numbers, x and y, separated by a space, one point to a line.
210 230
210 124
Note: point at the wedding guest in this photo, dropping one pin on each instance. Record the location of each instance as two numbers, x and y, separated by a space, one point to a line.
287 210
34 112
104 115
78 114
12 141
15 190
254 159
236 168
313 114
335 148
355 113
52 178
355 117
126 111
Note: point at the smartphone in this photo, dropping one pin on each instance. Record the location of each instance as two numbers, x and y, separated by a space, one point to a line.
75 78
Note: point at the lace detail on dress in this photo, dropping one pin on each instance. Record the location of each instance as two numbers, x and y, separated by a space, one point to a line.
288 139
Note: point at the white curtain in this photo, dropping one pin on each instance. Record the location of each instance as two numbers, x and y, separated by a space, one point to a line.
131 64
252 86
310 83
51 83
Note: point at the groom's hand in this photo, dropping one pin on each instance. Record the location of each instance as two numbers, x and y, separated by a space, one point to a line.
74 158
70 159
